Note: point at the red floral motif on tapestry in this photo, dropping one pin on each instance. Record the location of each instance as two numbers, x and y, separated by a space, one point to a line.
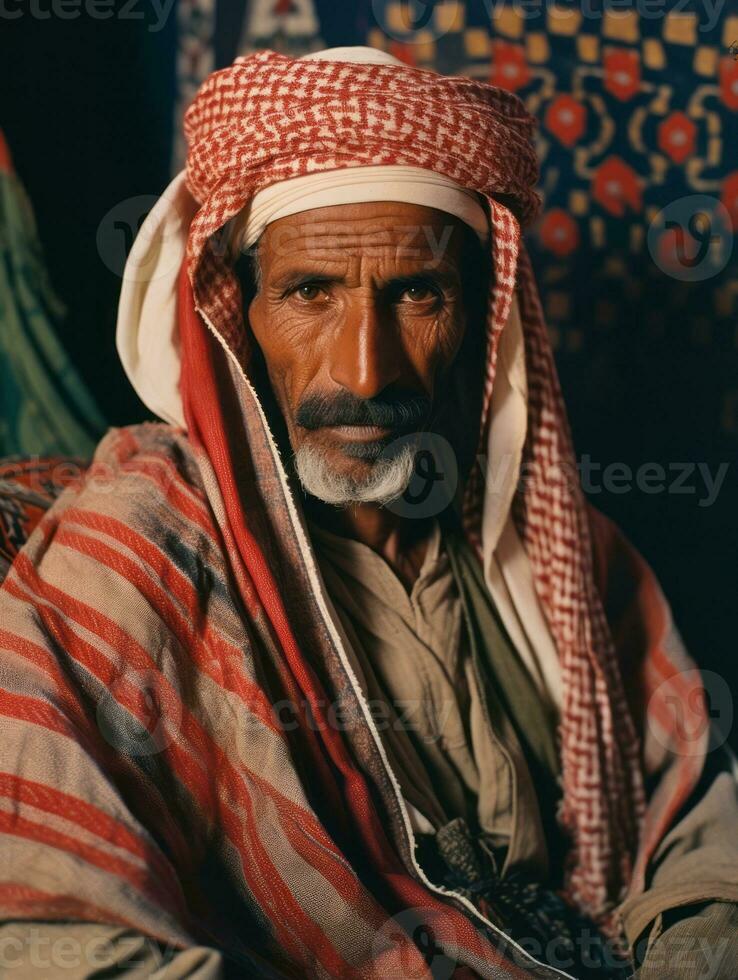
676 137
509 67
616 187
729 82
622 73
729 197
559 232
566 119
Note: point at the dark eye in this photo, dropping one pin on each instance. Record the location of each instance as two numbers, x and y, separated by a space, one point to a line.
308 290
419 292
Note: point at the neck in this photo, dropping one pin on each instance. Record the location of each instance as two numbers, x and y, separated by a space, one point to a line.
400 541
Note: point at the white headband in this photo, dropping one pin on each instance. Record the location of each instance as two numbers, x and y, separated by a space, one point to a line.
356 185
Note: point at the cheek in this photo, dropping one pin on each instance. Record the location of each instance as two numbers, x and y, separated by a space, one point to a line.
291 348
435 342
451 332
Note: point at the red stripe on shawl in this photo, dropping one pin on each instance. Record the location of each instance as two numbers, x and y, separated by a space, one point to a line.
183 496
174 489
198 646
140 878
38 712
159 600
102 669
127 444
24 902
206 427
79 728
160 470
293 816
194 775
90 818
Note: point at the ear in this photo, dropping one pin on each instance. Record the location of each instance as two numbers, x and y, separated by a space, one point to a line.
253 306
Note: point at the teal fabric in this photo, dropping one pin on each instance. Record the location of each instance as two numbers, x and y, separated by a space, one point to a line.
45 407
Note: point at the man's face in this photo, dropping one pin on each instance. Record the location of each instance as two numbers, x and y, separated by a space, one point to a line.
359 315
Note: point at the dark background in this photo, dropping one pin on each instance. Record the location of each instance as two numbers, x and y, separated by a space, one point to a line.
648 362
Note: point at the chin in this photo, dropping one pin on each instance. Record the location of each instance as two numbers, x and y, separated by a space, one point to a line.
335 477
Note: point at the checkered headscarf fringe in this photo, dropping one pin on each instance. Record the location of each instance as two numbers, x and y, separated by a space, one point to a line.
268 118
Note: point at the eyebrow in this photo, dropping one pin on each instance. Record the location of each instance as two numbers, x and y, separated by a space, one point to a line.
295 276
439 277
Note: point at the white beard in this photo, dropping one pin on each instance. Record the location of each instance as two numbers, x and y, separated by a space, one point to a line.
387 480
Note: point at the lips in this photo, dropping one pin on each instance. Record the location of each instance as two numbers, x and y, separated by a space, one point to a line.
359 442
358 433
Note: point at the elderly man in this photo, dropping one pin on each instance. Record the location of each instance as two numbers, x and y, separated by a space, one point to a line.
334 673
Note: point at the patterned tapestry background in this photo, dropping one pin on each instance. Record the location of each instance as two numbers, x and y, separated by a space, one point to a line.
637 102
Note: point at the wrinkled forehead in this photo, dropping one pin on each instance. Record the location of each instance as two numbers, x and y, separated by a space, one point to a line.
410 232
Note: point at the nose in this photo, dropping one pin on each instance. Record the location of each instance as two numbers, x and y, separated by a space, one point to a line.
366 354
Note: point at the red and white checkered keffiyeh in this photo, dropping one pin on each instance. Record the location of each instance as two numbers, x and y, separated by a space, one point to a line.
268 118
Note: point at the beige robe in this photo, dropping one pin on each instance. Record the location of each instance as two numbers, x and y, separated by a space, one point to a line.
414 653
